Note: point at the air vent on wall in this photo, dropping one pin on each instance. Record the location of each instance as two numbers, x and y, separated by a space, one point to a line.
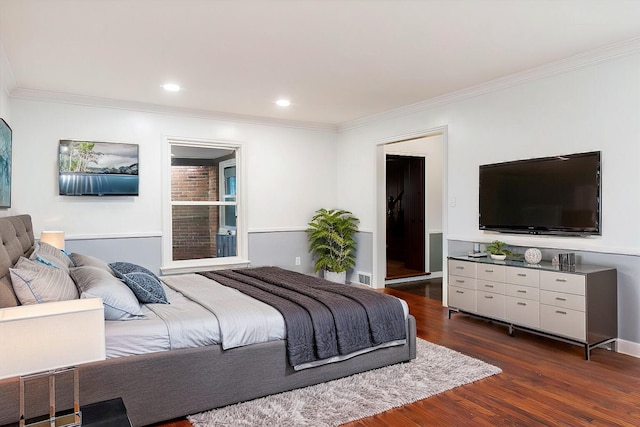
364 278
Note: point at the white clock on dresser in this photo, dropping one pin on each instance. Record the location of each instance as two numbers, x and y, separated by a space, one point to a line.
579 305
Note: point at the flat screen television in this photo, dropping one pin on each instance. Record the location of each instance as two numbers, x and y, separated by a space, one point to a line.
550 195
88 168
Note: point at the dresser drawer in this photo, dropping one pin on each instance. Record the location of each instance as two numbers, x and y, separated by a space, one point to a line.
523 276
487 286
462 268
462 298
559 299
491 305
523 312
562 282
462 282
494 273
563 321
525 292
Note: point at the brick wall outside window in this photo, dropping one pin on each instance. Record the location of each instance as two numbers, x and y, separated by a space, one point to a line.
194 227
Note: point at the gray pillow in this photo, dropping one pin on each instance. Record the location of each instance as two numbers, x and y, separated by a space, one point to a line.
80 260
35 283
144 284
119 301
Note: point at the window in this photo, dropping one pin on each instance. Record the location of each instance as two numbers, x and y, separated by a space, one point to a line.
227 173
204 226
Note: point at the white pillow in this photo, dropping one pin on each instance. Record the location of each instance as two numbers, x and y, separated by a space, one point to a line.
119 301
35 283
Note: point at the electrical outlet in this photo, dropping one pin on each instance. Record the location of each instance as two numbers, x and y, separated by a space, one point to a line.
298 260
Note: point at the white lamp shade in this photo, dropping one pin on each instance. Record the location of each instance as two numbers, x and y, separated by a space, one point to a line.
54 238
41 337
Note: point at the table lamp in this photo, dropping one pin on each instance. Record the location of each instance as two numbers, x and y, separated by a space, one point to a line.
45 340
54 238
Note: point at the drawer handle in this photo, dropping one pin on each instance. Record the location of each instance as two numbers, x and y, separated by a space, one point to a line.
522 303
561 299
460 268
459 281
459 292
488 271
521 291
561 312
561 280
488 296
488 286
522 274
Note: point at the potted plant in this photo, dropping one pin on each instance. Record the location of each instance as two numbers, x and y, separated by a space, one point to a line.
498 251
332 243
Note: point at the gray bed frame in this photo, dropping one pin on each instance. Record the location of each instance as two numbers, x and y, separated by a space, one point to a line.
166 385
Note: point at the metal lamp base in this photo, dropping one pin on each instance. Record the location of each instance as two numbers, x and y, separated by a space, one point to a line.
68 420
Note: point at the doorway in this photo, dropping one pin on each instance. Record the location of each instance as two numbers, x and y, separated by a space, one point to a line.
430 145
405 218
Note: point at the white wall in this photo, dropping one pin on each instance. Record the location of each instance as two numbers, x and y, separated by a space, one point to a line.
5 83
594 107
291 172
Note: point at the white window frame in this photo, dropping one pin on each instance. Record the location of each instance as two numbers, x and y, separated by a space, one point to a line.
169 266
221 179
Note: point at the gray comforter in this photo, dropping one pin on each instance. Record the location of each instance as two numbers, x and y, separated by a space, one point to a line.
323 319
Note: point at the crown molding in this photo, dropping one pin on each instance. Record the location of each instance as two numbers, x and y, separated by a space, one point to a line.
619 50
91 101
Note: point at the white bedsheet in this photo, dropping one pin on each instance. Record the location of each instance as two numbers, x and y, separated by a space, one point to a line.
180 324
242 320
221 315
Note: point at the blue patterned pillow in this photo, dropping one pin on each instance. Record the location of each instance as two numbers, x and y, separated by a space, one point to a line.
145 285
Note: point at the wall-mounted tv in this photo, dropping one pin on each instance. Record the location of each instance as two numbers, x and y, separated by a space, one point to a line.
550 195
88 168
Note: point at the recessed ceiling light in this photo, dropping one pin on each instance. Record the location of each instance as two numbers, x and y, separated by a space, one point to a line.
283 102
171 87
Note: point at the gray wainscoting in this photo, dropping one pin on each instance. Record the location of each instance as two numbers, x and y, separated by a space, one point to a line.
144 251
435 252
281 248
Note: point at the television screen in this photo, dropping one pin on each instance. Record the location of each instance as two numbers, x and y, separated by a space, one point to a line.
551 195
89 168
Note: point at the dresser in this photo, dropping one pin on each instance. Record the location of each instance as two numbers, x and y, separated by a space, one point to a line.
577 304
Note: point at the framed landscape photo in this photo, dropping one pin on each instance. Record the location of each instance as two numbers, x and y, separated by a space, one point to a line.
5 165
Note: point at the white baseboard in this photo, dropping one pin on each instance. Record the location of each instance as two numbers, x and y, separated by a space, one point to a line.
628 347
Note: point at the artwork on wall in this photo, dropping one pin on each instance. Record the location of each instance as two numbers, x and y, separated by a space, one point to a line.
5 165
88 168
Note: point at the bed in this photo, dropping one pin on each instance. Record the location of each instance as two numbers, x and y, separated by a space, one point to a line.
167 378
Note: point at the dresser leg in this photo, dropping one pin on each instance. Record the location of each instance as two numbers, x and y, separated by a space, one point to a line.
586 352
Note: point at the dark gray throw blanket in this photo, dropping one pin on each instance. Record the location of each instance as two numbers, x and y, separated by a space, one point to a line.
323 319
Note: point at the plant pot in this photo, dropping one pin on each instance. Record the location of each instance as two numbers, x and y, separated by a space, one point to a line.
498 257
340 277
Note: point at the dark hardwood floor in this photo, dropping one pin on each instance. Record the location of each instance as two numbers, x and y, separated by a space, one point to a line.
544 382
398 270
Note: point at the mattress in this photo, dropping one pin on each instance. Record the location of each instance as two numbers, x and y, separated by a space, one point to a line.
202 313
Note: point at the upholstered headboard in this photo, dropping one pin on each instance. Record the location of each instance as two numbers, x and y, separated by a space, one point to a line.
16 239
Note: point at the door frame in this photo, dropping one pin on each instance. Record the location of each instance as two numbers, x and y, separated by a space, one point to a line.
379 235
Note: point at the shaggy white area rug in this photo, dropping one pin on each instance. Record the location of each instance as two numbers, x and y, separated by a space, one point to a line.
435 370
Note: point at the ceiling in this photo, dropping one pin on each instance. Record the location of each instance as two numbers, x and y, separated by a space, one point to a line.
336 60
